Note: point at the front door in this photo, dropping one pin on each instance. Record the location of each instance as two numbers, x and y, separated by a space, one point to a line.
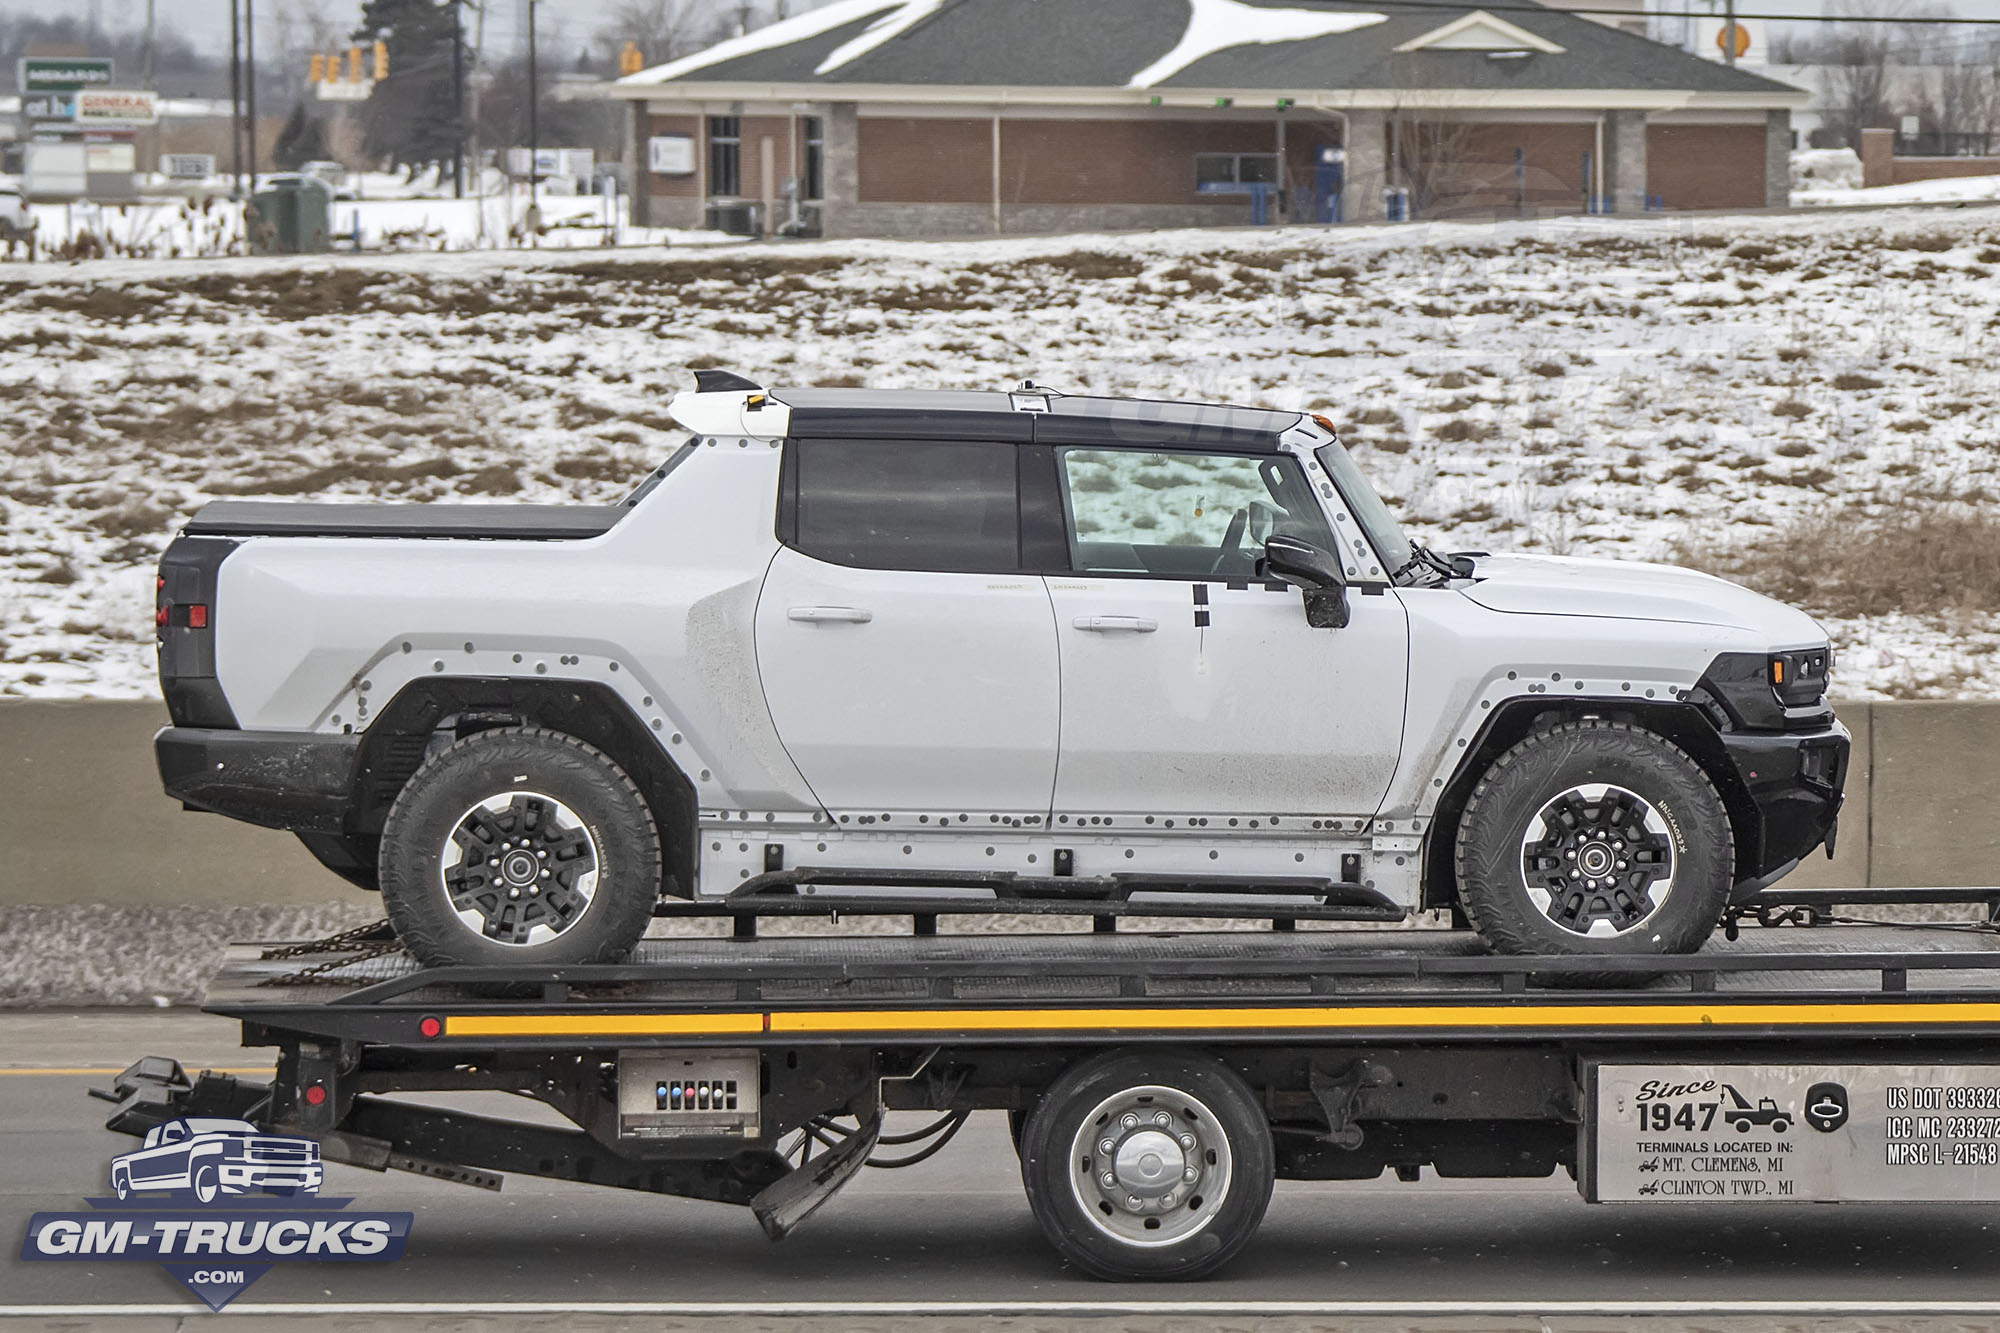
910 668
1189 688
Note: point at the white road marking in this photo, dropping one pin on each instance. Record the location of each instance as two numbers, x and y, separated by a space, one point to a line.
1067 1309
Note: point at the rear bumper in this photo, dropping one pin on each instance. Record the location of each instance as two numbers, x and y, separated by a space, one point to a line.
1795 781
279 779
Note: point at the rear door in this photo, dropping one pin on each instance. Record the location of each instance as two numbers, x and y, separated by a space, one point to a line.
1191 690
908 663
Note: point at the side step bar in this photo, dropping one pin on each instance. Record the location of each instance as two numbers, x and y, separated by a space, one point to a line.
902 893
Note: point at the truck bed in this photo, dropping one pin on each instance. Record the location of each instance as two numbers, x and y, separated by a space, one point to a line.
509 522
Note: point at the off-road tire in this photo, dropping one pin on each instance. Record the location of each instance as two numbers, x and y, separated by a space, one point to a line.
1233 1114
583 778
1513 792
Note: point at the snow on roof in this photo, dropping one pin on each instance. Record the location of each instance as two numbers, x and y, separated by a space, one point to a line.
911 13
799 28
1216 25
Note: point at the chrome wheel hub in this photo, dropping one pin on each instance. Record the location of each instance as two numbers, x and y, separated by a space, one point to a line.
1150 1166
520 868
1598 860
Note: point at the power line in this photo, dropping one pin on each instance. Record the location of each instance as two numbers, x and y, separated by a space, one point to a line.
1505 8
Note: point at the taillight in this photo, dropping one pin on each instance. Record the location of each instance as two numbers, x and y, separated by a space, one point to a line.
197 617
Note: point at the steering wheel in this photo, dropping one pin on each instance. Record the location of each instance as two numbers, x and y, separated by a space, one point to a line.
1256 521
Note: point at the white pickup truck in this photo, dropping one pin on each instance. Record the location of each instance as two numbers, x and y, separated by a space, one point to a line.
1009 646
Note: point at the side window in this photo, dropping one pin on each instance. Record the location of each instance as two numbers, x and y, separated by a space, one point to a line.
905 504
1177 514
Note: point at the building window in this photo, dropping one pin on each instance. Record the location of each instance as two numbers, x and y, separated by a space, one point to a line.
1212 170
815 178
725 156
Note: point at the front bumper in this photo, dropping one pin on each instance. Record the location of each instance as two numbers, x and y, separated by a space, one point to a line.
1795 781
300 781
273 1175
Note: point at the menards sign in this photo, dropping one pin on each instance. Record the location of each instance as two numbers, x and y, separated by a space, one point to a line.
62 74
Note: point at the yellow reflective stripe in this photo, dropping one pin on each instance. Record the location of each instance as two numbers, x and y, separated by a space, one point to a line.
1354 1017
1451 1016
602 1025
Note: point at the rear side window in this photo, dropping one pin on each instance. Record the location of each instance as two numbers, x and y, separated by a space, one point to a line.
907 504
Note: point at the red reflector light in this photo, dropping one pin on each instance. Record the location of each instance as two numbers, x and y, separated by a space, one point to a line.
160 616
197 616
430 1027
315 1095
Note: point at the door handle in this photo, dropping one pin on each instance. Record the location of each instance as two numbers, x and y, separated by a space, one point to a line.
830 615
1116 624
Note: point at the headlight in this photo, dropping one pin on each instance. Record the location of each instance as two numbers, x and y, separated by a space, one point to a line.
1799 678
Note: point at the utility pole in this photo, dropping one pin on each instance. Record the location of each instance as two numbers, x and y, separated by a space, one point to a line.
478 161
250 87
458 99
146 57
534 109
236 95
1729 32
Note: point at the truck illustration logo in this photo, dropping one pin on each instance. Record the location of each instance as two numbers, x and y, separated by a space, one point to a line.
1826 1107
211 1156
1743 1116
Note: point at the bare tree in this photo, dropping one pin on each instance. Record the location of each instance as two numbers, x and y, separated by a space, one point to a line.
664 30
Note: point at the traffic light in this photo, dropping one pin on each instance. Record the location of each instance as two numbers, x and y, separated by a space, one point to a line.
354 64
381 60
316 69
629 59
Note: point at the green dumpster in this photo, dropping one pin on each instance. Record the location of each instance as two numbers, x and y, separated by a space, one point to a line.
289 216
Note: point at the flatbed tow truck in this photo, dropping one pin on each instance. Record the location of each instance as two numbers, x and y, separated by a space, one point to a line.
1156 1083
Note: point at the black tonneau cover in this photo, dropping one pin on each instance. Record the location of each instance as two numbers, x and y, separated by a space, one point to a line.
515 522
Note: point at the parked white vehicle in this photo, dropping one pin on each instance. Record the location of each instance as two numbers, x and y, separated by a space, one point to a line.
1021 645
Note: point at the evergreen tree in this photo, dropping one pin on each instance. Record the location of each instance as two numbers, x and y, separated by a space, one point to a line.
302 140
412 117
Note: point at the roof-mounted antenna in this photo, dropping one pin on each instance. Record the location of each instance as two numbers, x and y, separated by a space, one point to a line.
724 381
1029 386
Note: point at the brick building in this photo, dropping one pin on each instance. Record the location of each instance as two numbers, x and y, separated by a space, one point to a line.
961 117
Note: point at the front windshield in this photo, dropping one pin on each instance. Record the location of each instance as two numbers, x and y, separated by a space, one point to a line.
1380 526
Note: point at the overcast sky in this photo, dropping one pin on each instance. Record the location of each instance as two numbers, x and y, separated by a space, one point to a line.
567 24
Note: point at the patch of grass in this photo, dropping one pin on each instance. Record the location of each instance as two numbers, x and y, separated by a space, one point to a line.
1464 430
1852 381
1378 416
1791 408
1911 554
1549 370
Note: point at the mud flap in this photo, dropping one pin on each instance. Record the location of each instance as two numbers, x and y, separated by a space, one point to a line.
788 1201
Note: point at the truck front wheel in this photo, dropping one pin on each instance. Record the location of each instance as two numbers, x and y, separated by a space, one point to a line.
1153 1166
520 845
1595 837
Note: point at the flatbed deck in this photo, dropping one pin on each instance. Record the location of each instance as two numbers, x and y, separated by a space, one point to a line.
759 1071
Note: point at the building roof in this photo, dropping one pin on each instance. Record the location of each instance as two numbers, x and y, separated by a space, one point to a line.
1279 47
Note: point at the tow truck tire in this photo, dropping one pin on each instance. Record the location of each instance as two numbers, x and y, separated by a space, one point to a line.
1182 1187
570 849
1592 838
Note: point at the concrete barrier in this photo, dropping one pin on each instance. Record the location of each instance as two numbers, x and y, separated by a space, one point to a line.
83 819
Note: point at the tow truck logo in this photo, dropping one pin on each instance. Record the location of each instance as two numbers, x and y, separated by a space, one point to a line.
254 1198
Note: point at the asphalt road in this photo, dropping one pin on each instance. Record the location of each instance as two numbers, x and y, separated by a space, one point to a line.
955 1234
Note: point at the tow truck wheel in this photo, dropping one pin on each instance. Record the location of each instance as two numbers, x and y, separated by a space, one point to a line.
1148 1166
207 1182
520 845
121 1181
1595 837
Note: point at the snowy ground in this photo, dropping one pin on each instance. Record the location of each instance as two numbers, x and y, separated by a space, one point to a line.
169 228
1591 386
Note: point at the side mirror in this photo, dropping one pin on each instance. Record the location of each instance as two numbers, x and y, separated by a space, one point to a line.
1315 570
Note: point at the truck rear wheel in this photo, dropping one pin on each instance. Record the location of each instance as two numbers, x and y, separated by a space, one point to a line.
1595 837
520 845
1153 1166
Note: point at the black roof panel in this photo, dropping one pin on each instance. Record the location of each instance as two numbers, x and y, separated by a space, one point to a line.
891 414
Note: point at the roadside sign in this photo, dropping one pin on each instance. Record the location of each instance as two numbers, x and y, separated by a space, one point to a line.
671 154
117 106
61 74
344 90
190 166
49 106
